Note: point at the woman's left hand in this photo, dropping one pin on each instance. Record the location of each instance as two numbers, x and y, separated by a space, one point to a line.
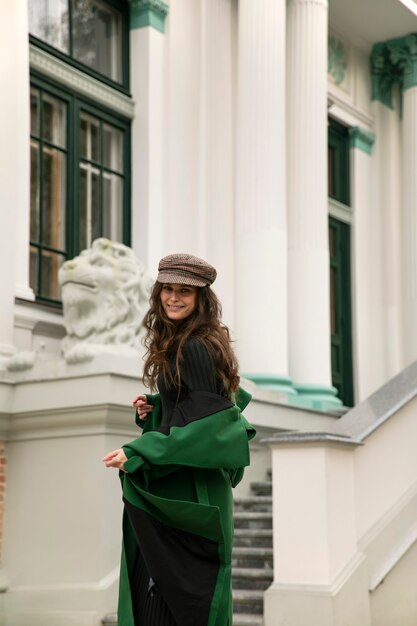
117 459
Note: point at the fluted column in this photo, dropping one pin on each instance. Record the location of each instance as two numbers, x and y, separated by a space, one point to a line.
14 164
308 255
261 246
409 230
147 39
395 62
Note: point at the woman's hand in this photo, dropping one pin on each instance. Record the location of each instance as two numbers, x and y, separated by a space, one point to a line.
142 407
117 459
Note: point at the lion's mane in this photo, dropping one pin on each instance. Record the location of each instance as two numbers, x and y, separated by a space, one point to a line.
105 295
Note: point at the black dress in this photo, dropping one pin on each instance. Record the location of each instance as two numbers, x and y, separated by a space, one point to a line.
197 374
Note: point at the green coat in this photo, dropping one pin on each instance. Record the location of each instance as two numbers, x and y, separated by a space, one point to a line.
179 488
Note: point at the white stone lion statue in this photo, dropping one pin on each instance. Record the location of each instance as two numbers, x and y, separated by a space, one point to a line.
105 295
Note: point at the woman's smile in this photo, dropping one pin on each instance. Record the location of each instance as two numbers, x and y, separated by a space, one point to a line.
178 301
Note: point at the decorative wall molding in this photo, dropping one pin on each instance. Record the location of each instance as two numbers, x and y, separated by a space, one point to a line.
86 85
148 13
393 62
362 139
336 64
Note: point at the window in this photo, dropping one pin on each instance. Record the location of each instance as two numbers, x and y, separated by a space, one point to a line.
80 183
340 281
92 34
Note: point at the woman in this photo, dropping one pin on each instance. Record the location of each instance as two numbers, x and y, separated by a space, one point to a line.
177 477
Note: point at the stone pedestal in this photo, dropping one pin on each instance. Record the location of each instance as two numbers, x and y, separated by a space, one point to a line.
62 535
317 565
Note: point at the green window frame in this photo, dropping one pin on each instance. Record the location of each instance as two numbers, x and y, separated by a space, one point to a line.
340 264
121 8
65 214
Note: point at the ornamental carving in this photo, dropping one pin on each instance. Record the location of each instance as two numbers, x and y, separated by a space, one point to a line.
393 62
105 295
336 64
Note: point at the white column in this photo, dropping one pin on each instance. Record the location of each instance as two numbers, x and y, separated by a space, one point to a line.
368 307
14 162
147 84
409 226
261 229
308 257
217 149
22 181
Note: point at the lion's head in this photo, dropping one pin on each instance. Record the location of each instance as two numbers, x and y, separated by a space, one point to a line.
105 294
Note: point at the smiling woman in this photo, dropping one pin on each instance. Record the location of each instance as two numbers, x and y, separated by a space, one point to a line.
178 301
177 477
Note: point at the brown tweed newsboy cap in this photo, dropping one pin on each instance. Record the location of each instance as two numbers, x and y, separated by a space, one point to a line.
185 269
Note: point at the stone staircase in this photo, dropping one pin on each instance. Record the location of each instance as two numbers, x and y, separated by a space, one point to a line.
252 555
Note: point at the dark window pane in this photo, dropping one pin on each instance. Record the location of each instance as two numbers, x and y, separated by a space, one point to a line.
95 206
331 181
34 112
54 198
112 207
333 302
89 137
34 191
54 120
112 148
89 205
33 269
48 20
51 263
97 37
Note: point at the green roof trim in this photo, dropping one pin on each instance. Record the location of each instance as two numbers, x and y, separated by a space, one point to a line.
151 13
362 139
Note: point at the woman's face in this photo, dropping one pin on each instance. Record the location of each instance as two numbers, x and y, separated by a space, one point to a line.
178 301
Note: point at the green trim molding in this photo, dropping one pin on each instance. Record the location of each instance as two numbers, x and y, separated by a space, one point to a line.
362 139
313 397
148 13
393 62
316 397
270 381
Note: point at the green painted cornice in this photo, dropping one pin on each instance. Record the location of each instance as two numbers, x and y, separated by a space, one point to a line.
361 139
148 13
393 62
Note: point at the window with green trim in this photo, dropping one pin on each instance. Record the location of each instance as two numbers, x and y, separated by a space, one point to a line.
340 274
80 180
91 34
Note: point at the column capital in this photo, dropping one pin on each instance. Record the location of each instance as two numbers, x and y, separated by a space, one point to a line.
148 13
393 62
362 139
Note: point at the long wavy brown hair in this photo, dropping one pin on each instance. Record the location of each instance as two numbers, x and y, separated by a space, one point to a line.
165 338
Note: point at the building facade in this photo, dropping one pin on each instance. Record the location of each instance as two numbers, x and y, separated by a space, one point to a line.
278 140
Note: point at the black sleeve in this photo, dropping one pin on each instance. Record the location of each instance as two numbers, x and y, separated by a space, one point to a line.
198 375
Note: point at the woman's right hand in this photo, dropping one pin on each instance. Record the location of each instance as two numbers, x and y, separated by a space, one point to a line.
142 407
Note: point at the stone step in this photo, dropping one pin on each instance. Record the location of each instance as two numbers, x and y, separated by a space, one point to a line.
253 503
110 620
244 619
252 578
244 556
253 537
255 519
248 602
262 488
